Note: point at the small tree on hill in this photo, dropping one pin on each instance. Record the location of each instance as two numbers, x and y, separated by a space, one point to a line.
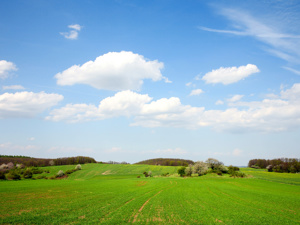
200 168
181 171
189 170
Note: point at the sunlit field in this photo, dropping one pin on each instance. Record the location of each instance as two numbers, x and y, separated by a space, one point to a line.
112 194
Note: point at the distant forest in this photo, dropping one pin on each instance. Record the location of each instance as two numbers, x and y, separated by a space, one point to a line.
287 165
167 162
29 161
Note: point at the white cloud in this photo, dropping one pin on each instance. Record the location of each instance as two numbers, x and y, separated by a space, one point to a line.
31 139
271 32
26 104
5 68
13 87
113 71
229 75
269 115
73 33
237 152
196 92
235 98
125 103
219 102
75 27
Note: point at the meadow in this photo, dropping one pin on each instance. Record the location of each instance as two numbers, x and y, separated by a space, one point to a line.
112 194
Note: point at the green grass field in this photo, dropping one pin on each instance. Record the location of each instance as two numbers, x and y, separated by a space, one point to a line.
112 194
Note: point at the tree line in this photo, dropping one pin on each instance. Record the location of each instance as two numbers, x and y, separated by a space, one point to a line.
287 165
39 162
166 162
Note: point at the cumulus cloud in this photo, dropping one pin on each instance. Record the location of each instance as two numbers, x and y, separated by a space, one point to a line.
13 87
229 75
73 33
26 104
113 71
125 103
5 68
196 92
267 115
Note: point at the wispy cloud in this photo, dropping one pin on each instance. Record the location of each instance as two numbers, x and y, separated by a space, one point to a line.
282 44
13 87
292 70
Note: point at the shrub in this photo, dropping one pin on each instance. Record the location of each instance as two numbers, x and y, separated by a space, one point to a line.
2 175
138 177
70 171
237 174
189 170
200 168
51 162
41 177
165 174
181 171
269 168
13 175
60 173
150 173
36 170
52 177
223 169
78 167
146 174
27 173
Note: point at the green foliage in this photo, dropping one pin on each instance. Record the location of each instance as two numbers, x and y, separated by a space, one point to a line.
166 162
2 175
27 173
200 168
189 170
13 175
60 173
41 177
88 197
181 171
146 174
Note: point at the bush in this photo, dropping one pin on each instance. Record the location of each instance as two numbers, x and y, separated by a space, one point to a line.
36 170
237 174
146 174
165 174
60 173
200 168
41 177
2 175
150 173
13 175
181 171
27 173
138 177
78 167
189 170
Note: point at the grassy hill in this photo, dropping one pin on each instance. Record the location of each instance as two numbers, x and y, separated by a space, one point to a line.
112 194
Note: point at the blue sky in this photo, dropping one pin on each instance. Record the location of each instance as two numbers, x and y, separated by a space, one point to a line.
132 80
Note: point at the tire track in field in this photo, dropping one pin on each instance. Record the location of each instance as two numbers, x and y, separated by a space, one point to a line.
140 210
145 203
